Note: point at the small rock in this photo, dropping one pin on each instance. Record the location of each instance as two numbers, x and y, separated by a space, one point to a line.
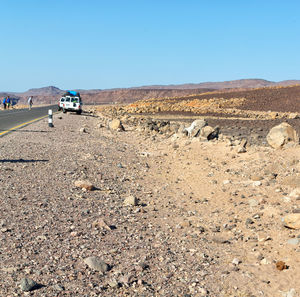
257 183
293 241
295 193
249 221
292 221
256 178
28 284
131 201
265 261
58 287
84 185
116 124
226 182
202 292
290 293
236 261
253 203
100 223
280 265
241 149
97 264
113 283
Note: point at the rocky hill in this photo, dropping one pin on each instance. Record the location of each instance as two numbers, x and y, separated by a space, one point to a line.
127 95
274 99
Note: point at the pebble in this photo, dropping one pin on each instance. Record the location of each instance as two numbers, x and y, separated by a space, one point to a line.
97 264
257 183
131 201
58 287
253 203
236 261
293 241
290 293
202 292
28 284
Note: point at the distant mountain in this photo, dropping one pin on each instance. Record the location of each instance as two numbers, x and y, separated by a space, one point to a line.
51 94
232 84
45 91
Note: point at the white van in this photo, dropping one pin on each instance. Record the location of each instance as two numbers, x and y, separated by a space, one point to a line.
70 103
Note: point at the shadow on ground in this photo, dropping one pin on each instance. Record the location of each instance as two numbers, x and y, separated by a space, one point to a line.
34 131
22 161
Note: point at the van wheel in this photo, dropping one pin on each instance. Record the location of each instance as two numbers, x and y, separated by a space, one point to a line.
79 111
64 111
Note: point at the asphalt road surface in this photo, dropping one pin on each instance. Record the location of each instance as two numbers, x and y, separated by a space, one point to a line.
12 118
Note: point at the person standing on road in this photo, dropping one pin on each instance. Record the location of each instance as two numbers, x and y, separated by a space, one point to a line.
30 102
4 103
8 102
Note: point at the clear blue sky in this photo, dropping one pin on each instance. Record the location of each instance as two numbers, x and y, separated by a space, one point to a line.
89 44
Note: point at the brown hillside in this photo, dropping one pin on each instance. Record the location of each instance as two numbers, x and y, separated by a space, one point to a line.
280 99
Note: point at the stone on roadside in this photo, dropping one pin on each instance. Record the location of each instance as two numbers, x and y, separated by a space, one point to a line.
292 221
295 193
131 201
293 241
84 184
290 293
282 134
196 126
202 292
236 261
116 124
209 133
101 224
28 285
82 130
293 115
280 265
240 149
96 263
58 287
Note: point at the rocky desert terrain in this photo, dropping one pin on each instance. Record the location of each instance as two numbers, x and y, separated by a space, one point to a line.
51 94
135 201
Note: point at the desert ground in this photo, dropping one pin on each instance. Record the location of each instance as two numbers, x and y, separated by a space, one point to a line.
121 202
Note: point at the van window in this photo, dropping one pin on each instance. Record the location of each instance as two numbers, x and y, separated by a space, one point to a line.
68 99
74 100
62 100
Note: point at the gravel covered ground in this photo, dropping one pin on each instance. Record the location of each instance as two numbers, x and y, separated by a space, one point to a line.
207 220
47 223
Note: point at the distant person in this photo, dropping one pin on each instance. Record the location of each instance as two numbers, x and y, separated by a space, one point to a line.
8 102
4 103
30 102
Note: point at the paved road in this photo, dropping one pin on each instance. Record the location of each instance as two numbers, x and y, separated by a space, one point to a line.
15 117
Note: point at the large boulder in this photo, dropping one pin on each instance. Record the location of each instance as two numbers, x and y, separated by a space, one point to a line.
116 124
282 134
195 127
209 133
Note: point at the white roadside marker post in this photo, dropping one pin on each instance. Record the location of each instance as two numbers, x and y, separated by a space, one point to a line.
50 119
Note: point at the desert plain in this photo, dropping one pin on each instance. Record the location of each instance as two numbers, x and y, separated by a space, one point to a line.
124 200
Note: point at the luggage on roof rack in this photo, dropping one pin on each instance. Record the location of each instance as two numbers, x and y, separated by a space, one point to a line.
72 93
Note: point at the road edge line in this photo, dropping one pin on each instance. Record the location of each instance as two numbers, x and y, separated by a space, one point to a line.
21 125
